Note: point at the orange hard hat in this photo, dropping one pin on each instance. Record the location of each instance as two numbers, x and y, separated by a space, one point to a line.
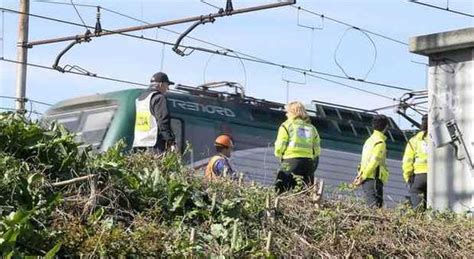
224 141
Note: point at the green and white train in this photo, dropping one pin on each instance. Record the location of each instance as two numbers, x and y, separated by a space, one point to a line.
199 115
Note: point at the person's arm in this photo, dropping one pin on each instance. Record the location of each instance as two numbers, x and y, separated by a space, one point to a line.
408 159
163 119
316 144
281 142
374 160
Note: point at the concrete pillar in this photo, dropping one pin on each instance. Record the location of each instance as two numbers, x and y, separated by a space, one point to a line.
450 100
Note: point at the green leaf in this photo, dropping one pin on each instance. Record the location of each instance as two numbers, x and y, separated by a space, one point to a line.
218 230
51 253
96 216
10 236
178 202
18 217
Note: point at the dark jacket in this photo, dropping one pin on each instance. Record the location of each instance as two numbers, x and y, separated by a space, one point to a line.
159 109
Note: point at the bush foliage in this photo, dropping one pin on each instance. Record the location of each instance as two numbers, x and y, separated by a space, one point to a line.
142 205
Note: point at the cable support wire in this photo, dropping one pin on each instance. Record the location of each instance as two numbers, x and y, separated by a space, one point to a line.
244 70
78 14
441 8
76 73
243 56
25 99
374 58
350 25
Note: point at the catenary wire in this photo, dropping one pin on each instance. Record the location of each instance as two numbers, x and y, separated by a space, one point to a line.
350 25
247 58
27 99
76 73
78 14
441 8
250 57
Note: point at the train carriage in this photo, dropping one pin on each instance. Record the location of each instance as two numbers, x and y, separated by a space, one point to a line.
200 114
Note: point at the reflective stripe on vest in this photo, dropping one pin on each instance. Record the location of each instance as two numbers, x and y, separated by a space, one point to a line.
301 136
146 129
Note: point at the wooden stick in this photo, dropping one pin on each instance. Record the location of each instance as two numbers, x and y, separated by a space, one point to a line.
74 180
234 236
92 201
191 236
269 242
319 193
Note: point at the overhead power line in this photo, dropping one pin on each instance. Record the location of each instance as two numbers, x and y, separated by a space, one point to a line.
240 54
75 73
225 53
78 14
350 25
442 8
26 99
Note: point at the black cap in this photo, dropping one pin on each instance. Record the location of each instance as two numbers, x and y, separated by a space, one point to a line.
160 77
380 122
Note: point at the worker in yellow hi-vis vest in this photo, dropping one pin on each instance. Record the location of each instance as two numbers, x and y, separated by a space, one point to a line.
152 120
373 172
298 147
415 166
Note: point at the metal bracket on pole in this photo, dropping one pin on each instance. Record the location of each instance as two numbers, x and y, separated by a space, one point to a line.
229 11
405 104
68 47
176 49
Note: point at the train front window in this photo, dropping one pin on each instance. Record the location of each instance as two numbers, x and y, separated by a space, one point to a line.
89 123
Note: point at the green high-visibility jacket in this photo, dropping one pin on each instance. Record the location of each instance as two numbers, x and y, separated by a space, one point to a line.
297 139
374 155
415 158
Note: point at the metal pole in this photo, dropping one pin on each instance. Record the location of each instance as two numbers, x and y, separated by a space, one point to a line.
162 24
22 55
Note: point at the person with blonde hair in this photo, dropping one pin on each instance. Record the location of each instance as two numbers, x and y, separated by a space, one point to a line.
298 148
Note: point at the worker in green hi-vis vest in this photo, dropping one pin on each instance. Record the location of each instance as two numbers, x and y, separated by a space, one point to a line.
298 147
415 166
373 172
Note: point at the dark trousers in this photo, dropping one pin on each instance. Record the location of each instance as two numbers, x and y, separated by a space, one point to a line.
373 190
303 167
418 191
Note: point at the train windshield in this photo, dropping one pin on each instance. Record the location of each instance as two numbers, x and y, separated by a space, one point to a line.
89 121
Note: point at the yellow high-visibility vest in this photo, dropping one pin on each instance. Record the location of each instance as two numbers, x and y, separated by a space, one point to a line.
297 139
374 155
146 128
415 158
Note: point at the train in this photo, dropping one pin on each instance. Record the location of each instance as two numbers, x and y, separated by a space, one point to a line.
199 114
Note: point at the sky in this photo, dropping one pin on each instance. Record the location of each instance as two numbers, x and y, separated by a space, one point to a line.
276 35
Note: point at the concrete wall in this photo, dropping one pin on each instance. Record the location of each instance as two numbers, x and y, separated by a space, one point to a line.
450 91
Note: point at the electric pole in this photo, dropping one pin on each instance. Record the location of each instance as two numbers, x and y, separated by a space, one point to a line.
22 55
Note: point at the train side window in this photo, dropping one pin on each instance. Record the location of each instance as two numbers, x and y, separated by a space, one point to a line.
346 128
177 127
95 123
